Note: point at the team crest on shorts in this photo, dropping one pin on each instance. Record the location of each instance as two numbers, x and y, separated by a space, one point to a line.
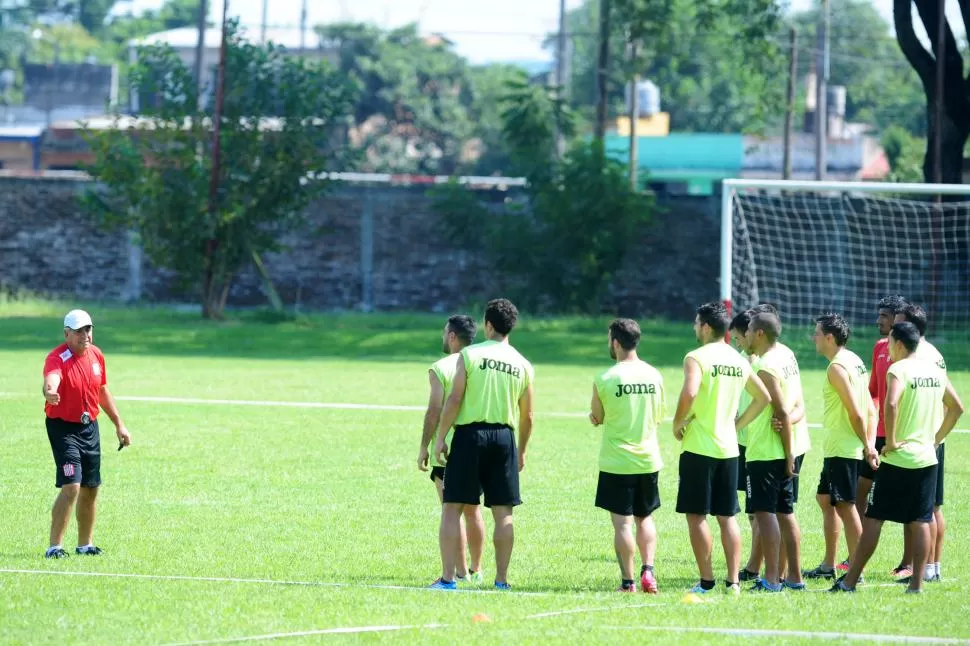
68 470
96 369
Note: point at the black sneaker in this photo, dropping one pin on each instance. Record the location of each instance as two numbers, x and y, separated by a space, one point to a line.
747 575
55 553
840 586
90 550
819 573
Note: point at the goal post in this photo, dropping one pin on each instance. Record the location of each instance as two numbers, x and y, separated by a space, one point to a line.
814 246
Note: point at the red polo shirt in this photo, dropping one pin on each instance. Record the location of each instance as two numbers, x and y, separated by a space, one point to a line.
81 381
877 380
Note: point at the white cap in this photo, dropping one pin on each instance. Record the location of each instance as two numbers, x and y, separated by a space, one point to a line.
76 319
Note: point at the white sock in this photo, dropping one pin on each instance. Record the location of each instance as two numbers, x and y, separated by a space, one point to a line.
89 545
928 571
53 547
936 568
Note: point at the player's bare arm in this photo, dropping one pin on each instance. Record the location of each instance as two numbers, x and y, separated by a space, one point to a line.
450 412
111 409
894 391
52 381
596 412
954 409
436 401
858 418
692 385
760 400
773 386
525 423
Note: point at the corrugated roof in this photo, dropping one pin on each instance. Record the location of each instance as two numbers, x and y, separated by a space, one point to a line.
21 132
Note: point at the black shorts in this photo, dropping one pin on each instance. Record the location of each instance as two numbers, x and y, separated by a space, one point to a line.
940 457
707 485
799 459
838 479
903 495
628 494
742 469
437 473
77 452
483 459
865 469
769 488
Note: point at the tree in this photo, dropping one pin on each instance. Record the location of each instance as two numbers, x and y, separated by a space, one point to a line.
412 114
716 64
154 180
489 85
90 14
953 128
881 87
904 153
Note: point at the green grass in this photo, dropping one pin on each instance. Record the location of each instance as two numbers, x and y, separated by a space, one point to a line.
330 496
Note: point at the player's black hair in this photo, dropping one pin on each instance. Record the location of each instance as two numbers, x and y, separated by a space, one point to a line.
740 322
907 333
715 315
502 314
626 332
835 325
765 308
463 326
916 315
768 322
894 303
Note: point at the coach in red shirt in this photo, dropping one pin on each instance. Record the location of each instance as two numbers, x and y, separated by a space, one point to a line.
75 388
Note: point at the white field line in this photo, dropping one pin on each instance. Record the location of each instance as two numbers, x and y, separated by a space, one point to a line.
576 611
324 405
350 630
833 636
217 579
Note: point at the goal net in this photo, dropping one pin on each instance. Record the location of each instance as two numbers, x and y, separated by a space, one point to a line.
813 247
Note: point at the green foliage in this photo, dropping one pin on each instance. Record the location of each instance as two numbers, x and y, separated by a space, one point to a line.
90 14
905 154
881 87
155 179
489 85
712 62
561 245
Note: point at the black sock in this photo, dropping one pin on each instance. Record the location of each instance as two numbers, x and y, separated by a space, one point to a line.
749 571
627 584
707 585
728 584
644 568
471 571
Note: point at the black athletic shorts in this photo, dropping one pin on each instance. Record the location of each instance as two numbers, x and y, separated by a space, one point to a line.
77 452
742 469
628 494
707 485
903 495
940 457
838 479
437 473
769 489
799 459
483 459
865 469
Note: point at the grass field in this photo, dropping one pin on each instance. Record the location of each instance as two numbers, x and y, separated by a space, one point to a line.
227 521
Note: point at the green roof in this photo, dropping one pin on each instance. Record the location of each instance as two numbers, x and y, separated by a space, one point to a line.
719 155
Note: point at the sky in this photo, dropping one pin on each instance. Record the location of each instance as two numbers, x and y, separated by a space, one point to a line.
492 31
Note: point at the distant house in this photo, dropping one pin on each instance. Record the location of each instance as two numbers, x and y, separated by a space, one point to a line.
854 158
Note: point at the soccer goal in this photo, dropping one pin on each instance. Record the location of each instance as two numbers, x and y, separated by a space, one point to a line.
811 247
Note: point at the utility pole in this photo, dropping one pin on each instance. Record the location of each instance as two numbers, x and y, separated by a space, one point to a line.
634 118
200 51
303 28
790 102
602 70
560 74
821 93
262 25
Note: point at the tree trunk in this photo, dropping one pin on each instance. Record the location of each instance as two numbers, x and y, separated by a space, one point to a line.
602 70
954 140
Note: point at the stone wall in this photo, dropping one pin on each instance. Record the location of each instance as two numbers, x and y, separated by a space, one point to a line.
366 247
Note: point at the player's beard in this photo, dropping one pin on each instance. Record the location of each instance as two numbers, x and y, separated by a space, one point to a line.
612 353
444 348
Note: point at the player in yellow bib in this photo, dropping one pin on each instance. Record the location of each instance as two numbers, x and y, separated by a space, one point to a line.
490 399
917 393
459 333
706 423
926 351
771 455
849 421
751 570
628 402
